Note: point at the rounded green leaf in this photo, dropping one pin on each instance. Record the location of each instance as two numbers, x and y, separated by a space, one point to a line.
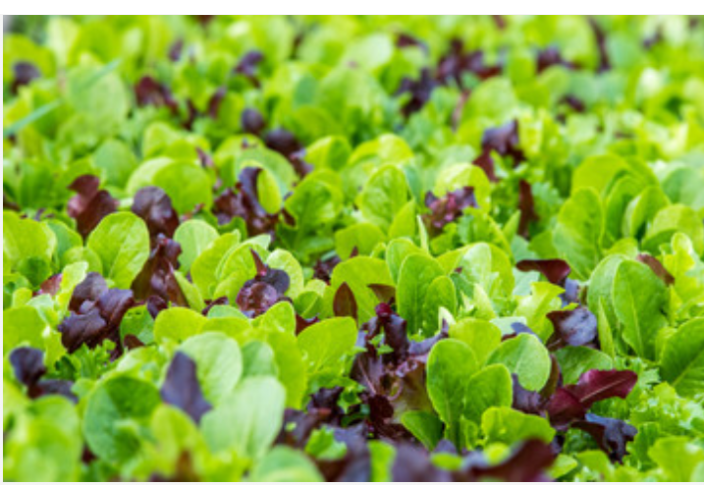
121 241
363 237
185 195
527 357
490 387
194 236
116 412
177 323
480 335
258 359
326 345
23 238
205 268
22 325
383 196
424 425
285 465
597 171
509 426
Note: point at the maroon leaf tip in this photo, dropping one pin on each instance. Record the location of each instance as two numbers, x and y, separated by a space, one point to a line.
572 402
344 303
90 204
554 270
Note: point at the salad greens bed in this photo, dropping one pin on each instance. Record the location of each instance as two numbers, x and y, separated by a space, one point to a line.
353 249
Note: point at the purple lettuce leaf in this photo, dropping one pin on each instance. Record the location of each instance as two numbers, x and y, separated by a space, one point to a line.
551 56
394 378
267 288
182 389
526 205
323 408
282 141
150 92
355 466
285 143
527 463
89 205
575 103
24 72
420 91
576 327
303 323
215 102
600 38
96 314
404 40
154 206
455 62
554 270
322 269
571 402
504 140
486 163
87 292
176 50
611 434
244 203
252 121
448 208
157 277
344 303
531 402
248 65
412 464
28 366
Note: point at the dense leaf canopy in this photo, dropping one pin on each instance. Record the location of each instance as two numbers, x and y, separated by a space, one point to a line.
353 248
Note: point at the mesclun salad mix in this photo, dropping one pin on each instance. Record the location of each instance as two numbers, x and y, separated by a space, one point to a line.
353 249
